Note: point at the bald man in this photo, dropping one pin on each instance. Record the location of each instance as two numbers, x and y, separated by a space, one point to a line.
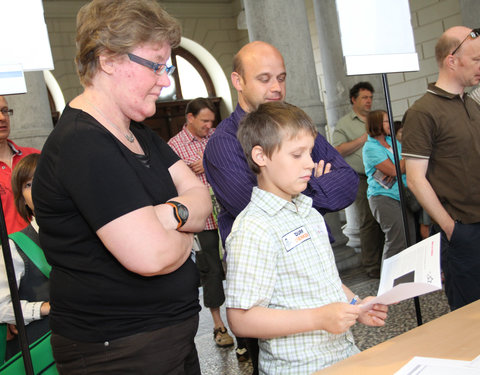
441 145
259 76
10 155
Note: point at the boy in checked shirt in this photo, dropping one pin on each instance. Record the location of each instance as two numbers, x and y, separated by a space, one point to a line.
282 282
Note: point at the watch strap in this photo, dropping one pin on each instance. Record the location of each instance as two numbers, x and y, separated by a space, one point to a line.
176 214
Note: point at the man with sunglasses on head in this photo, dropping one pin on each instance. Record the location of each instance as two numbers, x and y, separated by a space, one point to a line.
441 144
10 155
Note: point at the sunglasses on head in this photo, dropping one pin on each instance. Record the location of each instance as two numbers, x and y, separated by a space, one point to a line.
474 33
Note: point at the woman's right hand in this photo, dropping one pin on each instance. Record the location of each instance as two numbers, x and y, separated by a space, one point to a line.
151 231
164 214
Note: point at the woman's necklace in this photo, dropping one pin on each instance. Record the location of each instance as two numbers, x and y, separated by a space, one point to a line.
129 137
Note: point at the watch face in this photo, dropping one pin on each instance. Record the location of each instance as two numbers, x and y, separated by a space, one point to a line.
182 212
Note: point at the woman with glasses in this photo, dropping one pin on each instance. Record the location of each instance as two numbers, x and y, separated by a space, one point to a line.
382 193
117 207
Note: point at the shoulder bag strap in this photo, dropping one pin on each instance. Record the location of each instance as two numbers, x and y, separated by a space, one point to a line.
33 251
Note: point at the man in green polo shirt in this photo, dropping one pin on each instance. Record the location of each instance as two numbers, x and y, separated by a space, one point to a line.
441 145
349 137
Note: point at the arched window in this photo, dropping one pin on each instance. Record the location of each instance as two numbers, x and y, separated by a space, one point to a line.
189 81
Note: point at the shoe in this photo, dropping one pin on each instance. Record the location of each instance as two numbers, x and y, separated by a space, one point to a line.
222 338
242 354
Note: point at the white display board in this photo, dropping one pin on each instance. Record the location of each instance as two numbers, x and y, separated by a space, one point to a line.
377 36
25 42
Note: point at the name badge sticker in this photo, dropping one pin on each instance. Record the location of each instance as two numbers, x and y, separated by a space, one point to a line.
295 238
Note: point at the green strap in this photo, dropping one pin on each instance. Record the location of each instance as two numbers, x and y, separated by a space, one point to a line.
3 342
36 255
33 251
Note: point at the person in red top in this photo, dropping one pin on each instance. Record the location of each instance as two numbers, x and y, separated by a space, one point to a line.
10 155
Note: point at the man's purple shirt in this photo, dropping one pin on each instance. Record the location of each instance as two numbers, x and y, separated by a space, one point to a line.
232 179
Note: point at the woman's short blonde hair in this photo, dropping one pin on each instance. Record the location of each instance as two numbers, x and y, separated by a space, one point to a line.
117 27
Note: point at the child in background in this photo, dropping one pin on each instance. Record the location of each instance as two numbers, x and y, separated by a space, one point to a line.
398 128
32 283
282 282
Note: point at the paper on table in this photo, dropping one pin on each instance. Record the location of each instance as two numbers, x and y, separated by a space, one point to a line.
437 366
413 272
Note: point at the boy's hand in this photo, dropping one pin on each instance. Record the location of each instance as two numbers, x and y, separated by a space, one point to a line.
374 317
338 317
320 168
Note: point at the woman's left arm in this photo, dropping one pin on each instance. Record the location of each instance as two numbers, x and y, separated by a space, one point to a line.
388 168
193 194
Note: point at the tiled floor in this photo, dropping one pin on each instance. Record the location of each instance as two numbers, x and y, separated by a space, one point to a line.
402 317
215 360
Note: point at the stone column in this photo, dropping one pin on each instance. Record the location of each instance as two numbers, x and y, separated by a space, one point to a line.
337 83
284 24
337 86
32 120
470 11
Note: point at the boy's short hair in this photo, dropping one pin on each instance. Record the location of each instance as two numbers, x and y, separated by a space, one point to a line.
268 126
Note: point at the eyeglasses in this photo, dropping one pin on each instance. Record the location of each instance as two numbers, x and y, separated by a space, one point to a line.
474 33
158 69
6 112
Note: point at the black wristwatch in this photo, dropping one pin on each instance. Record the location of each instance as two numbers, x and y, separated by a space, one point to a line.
180 212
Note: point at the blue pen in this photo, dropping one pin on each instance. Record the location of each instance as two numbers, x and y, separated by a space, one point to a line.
354 300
